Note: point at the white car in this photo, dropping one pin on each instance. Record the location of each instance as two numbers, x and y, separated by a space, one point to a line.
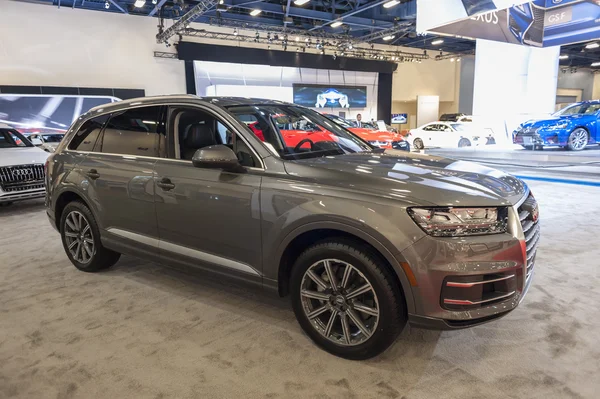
331 98
46 141
21 167
449 134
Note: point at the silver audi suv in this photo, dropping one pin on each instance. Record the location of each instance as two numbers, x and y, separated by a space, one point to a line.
363 239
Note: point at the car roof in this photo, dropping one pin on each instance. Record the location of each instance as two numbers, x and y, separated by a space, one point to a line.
159 100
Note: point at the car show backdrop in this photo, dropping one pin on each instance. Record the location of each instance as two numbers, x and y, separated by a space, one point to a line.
322 96
49 109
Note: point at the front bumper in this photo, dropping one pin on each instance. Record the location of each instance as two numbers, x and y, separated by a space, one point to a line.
537 138
466 281
21 195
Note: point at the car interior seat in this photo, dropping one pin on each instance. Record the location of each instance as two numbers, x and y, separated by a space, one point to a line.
196 136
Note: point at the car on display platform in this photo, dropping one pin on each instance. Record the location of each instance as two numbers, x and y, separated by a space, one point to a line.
378 138
451 117
573 127
21 167
363 239
450 135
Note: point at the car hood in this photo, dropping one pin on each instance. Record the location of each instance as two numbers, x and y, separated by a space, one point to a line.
414 179
553 120
375 135
22 156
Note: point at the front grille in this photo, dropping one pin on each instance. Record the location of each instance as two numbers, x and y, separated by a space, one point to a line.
528 215
22 177
535 34
512 23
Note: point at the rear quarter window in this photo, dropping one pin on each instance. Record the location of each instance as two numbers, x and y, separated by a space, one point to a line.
87 135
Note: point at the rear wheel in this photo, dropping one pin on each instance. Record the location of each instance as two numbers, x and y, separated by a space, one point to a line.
578 139
464 143
346 300
81 239
418 144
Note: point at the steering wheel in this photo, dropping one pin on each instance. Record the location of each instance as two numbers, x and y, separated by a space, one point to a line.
304 141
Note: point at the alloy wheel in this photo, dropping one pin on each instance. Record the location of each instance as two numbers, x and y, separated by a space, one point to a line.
418 144
79 237
340 302
578 139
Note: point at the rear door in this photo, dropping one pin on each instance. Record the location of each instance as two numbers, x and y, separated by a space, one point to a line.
119 174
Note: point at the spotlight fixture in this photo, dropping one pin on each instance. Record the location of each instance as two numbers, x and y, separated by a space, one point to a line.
388 37
154 1
256 37
391 3
300 2
255 12
563 57
592 46
106 5
334 56
235 31
350 46
437 42
221 1
336 24
139 3
275 36
306 40
595 64
457 60
269 47
452 60
297 39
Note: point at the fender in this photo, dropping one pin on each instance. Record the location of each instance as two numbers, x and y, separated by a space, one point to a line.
381 244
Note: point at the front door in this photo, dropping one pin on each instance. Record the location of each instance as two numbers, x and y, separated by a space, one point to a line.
208 217
119 172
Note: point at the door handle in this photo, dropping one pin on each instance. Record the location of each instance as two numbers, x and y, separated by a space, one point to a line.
166 184
93 174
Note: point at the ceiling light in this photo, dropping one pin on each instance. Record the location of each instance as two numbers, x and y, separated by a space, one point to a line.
221 1
592 45
437 41
106 5
300 2
596 64
452 60
154 1
297 39
139 3
336 24
458 60
391 3
388 37
563 57
235 31
255 12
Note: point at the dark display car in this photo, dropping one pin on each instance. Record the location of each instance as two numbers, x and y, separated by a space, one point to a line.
363 239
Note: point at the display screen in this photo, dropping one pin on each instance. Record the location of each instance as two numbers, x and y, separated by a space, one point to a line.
399 118
327 96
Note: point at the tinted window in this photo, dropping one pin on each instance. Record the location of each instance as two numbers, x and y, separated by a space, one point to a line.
86 136
12 138
133 132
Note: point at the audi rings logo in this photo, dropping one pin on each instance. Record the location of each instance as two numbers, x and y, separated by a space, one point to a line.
22 172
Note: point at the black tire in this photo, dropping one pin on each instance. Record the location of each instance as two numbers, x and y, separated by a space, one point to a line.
464 143
102 258
391 303
418 144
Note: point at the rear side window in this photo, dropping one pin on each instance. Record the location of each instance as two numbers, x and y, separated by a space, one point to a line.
88 133
135 132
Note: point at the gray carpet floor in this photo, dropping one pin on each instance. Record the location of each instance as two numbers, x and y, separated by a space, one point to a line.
143 330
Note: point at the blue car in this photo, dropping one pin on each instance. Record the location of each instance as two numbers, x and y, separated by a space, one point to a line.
573 127
555 22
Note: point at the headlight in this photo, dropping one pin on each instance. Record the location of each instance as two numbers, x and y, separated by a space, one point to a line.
459 222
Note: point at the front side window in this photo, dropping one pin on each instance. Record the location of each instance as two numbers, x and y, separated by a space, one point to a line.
87 135
584 109
295 132
10 138
134 132
193 129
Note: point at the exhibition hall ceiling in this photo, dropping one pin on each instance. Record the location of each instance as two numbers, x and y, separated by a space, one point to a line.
327 24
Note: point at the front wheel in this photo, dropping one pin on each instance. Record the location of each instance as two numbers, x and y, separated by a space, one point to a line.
81 239
346 300
418 144
578 139
464 143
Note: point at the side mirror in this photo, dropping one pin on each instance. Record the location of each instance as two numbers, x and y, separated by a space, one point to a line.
217 157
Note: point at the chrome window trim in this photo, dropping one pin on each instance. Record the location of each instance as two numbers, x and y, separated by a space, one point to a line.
185 251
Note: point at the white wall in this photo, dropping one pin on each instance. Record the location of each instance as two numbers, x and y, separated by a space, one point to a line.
47 46
428 78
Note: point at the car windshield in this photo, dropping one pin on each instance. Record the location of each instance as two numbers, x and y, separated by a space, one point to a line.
297 133
579 109
10 138
53 138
